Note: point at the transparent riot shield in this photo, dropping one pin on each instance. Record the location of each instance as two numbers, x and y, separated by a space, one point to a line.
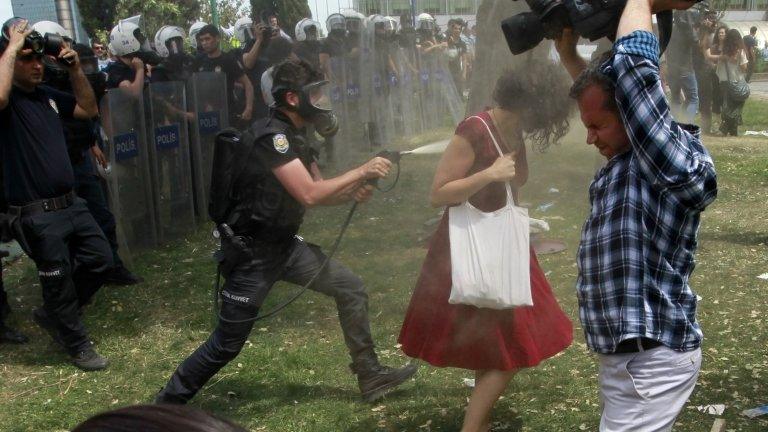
129 182
453 100
356 105
406 103
208 103
429 91
338 78
169 159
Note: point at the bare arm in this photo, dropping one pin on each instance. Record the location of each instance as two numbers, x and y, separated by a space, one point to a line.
249 58
310 192
325 65
136 87
86 107
451 185
17 33
246 83
569 57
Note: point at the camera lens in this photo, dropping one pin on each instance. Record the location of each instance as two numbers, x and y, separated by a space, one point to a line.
522 32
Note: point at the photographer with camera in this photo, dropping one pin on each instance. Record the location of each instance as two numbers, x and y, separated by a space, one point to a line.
264 211
638 243
48 220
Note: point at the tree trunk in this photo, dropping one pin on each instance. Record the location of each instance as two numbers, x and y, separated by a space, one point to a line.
492 56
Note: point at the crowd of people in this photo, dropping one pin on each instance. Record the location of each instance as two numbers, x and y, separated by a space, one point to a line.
636 307
704 58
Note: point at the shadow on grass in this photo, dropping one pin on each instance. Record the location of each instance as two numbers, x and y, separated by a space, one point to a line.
746 238
424 419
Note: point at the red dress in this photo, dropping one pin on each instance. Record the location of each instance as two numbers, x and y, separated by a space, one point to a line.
469 337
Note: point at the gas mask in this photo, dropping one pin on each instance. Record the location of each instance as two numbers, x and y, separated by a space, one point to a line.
314 106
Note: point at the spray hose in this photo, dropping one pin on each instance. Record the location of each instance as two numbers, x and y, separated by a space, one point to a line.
392 156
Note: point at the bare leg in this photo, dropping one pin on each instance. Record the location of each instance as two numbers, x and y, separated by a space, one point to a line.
489 385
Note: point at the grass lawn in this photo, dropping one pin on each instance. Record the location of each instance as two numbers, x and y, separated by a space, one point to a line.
292 374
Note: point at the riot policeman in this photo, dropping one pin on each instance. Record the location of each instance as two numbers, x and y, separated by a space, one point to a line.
308 34
262 215
176 64
194 29
82 146
50 222
133 53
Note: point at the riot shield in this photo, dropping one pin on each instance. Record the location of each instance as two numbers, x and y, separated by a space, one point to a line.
379 80
452 99
429 91
208 103
129 182
169 159
406 106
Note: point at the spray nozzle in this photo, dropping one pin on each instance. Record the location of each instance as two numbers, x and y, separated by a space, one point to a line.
392 156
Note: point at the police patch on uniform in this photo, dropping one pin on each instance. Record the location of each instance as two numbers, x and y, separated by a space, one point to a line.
280 142
53 105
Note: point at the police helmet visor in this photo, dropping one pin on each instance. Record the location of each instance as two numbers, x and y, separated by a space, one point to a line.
336 23
353 25
175 45
311 32
319 95
426 25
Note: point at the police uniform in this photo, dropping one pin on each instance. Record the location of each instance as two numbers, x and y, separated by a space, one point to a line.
268 218
51 223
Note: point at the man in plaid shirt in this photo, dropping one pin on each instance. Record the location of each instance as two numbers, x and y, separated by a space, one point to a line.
638 242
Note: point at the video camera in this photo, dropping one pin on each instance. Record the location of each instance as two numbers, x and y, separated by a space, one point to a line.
49 44
592 19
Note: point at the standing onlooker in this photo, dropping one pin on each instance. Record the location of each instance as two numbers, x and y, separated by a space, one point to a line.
750 48
638 243
731 66
101 54
456 51
713 54
706 79
680 74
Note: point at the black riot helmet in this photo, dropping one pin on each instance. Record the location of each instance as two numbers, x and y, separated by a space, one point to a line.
299 77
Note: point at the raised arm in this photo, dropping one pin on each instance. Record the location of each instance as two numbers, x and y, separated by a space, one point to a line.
18 32
670 156
86 107
569 57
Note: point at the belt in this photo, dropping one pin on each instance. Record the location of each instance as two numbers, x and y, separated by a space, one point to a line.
44 205
636 345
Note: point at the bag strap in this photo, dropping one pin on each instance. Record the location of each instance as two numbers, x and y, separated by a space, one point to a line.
498 148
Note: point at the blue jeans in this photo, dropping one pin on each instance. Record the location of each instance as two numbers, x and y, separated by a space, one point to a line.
684 83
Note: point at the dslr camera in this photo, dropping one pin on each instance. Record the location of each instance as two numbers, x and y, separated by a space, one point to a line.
591 19
49 44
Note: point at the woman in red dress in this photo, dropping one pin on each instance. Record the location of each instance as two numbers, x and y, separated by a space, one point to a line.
493 343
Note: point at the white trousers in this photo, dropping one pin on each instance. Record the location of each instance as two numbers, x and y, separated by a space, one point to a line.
645 391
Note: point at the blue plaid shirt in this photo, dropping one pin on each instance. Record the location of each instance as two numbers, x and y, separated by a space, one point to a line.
637 245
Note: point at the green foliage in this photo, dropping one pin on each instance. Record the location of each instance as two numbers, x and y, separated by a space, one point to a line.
157 13
289 11
229 11
97 15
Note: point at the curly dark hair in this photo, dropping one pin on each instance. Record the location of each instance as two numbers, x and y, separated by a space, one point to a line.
733 42
157 418
537 90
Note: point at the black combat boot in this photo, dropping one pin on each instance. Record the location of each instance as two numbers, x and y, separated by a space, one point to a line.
376 380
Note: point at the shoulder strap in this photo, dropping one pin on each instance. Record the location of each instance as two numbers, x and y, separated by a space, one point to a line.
501 154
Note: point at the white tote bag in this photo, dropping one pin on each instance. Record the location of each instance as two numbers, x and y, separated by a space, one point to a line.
490 253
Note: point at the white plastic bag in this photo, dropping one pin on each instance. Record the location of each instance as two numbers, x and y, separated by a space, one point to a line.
490 255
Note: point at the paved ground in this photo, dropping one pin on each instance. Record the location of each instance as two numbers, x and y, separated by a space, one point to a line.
759 89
